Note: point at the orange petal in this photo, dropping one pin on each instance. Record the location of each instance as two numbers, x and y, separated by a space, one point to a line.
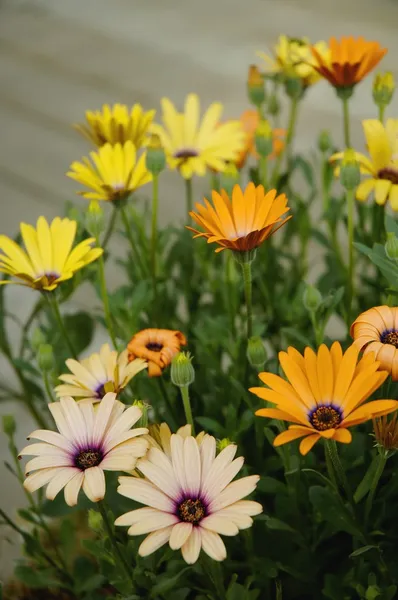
307 443
275 413
293 433
342 435
297 379
376 408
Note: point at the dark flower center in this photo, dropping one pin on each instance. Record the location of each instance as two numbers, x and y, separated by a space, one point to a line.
390 337
100 391
51 277
186 153
388 173
154 346
88 458
191 511
325 417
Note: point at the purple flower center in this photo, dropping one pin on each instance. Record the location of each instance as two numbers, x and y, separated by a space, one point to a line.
191 511
86 459
100 390
325 417
51 277
390 336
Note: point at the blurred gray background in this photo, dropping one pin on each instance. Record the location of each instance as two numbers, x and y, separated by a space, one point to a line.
61 57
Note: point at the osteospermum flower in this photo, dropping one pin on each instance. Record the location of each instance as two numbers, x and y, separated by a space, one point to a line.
386 433
189 499
49 257
113 174
250 120
88 443
243 222
382 166
117 124
102 372
157 346
324 394
192 145
376 331
159 436
348 61
292 58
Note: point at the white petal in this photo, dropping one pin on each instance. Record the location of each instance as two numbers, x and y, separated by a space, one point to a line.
98 369
159 521
81 373
154 541
157 468
59 481
52 437
134 447
213 545
217 470
220 479
191 549
117 411
123 423
207 455
74 419
94 484
145 493
44 462
134 516
102 417
233 492
185 431
72 489
165 438
192 466
60 420
42 449
247 507
124 437
219 524
87 411
119 462
37 480
177 457
179 535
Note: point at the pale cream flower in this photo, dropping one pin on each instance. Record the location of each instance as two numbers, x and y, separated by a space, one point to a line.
102 372
88 443
189 498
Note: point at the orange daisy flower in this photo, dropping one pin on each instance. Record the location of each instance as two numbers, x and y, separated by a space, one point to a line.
349 60
376 330
250 120
157 346
324 394
243 222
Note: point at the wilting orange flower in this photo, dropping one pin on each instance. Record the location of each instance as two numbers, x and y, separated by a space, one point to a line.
376 330
324 395
250 120
349 61
243 222
157 346
386 432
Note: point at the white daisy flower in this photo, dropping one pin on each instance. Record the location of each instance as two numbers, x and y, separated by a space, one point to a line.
102 372
189 498
89 442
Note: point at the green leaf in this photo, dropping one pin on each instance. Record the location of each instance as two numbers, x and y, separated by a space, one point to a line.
362 550
333 511
167 583
211 425
35 578
270 485
92 583
277 524
27 367
364 486
390 224
80 327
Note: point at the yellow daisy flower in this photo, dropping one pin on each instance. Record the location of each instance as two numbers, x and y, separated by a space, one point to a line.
117 124
192 145
292 57
104 371
48 259
114 173
382 166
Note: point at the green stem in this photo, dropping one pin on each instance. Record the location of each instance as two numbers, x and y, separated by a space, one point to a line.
318 333
105 299
378 473
329 467
53 302
25 330
48 387
187 407
188 194
382 109
247 278
214 181
289 137
135 253
264 171
154 236
111 226
341 477
350 208
118 554
346 114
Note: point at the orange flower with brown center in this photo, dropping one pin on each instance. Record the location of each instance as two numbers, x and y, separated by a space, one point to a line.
349 60
250 120
243 222
157 346
376 330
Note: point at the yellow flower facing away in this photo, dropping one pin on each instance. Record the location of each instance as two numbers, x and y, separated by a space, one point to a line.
49 257
292 57
113 173
381 168
117 124
193 145
324 394
91 378
242 222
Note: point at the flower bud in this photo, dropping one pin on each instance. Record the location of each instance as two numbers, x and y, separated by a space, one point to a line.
95 220
37 339
349 171
9 426
95 520
256 354
182 371
229 177
263 138
155 156
391 246
45 358
324 141
294 87
274 105
222 444
255 86
383 88
75 214
144 407
312 298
